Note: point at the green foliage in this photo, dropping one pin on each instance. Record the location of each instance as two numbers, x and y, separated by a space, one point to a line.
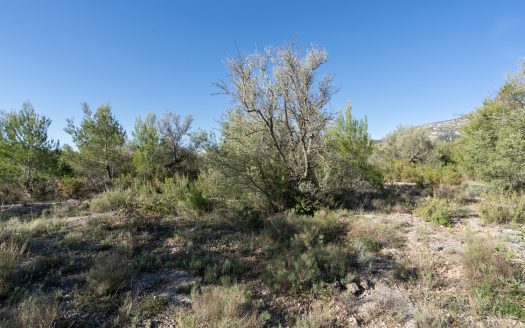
27 155
221 307
408 143
497 284
436 210
70 187
174 196
409 155
494 138
303 253
147 155
349 150
100 141
153 305
275 145
350 138
165 147
503 207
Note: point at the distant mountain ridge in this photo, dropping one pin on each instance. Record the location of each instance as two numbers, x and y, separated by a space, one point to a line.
448 130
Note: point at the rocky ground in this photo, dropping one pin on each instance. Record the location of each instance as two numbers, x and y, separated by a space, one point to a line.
416 279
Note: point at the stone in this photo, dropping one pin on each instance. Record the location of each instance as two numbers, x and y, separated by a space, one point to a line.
352 287
364 284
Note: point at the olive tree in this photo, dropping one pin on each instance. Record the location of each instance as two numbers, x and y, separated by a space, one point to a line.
273 138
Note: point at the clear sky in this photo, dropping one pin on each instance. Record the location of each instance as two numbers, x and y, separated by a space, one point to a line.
399 62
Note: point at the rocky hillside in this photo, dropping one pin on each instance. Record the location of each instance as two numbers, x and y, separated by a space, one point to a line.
448 130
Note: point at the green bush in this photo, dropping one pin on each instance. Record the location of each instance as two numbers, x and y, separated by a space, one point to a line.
503 207
494 138
436 210
284 228
112 200
173 196
496 282
70 187
302 252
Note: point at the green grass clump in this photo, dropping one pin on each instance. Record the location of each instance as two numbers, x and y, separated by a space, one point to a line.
172 196
497 284
503 207
302 251
436 210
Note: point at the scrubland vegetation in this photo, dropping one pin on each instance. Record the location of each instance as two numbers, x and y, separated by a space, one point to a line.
292 216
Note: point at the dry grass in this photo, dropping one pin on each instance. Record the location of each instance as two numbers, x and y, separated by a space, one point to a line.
221 307
497 284
321 315
10 253
37 311
109 274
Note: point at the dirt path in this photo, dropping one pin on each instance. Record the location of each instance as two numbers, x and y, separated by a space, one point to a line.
439 250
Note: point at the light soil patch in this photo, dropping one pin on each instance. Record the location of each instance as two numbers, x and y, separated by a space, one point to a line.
437 252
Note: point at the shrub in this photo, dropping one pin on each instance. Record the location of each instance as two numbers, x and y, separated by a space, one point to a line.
494 138
302 253
293 272
503 207
221 307
70 187
173 196
497 284
323 225
153 305
146 262
112 200
436 210
109 274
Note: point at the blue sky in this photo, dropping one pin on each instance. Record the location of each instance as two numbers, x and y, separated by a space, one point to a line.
399 62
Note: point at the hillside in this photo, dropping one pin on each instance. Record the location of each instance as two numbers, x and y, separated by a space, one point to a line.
448 130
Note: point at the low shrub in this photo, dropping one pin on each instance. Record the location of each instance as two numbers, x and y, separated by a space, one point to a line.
221 307
295 271
112 200
109 274
497 284
153 305
146 262
283 229
503 207
70 187
321 315
173 196
301 250
436 210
